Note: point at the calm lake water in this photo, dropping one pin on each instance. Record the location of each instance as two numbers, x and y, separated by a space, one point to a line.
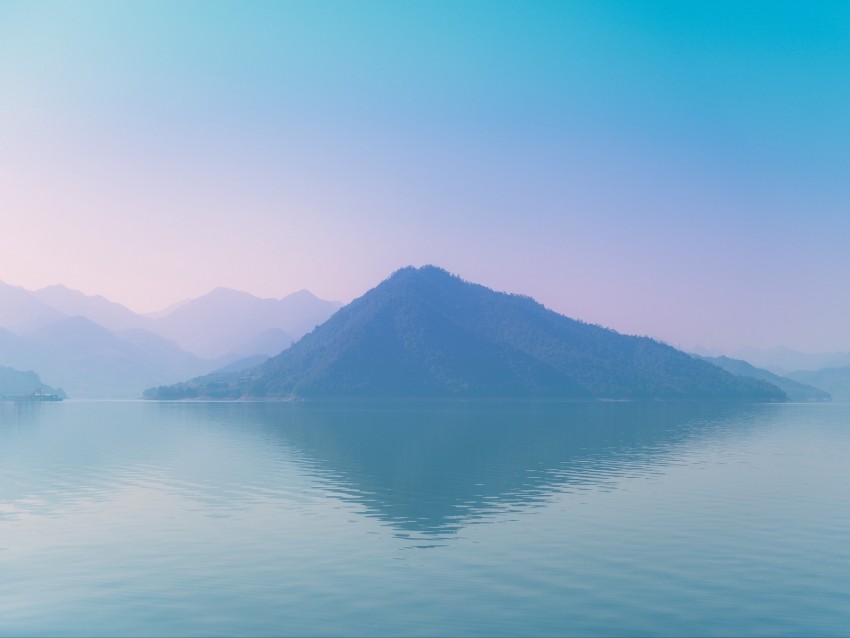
434 519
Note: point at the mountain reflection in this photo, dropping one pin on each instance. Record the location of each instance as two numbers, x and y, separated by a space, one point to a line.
433 468
421 468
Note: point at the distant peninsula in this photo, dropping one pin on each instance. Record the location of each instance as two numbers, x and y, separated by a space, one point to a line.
424 333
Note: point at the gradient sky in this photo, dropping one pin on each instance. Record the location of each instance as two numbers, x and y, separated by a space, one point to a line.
674 169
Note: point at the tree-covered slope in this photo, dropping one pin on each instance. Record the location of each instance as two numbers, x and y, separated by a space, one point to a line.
424 332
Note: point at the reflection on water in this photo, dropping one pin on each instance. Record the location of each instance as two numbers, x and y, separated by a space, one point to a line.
433 468
428 468
457 518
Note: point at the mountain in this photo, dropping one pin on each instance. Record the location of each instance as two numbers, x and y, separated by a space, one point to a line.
164 312
224 324
269 343
96 348
227 321
14 351
21 310
782 360
242 365
14 383
89 361
100 310
794 390
836 381
77 352
426 333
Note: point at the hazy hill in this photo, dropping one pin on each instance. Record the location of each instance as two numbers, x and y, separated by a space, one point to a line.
424 332
21 310
226 321
783 360
13 350
222 324
89 361
166 354
836 381
100 310
269 343
14 383
95 348
242 365
795 390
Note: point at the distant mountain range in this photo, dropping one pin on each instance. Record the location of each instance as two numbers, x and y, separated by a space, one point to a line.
100 310
794 390
422 332
226 322
784 360
95 348
22 310
836 381
826 372
426 333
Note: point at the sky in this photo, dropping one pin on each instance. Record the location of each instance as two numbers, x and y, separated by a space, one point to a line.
673 169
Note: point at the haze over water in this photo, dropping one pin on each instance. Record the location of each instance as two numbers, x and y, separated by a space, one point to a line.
456 518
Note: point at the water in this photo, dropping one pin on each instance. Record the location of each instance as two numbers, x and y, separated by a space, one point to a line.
432 519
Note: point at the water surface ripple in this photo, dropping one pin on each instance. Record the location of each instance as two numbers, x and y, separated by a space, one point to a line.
149 519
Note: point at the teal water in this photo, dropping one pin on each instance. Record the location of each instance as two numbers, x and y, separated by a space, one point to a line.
153 519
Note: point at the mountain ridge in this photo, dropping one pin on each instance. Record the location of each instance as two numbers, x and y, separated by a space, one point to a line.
95 348
425 332
20 310
224 320
834 380
97 308
795 390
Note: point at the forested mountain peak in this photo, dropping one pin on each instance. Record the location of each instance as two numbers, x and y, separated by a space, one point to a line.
426 332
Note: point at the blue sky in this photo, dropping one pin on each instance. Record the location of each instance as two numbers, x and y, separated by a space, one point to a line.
674 169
